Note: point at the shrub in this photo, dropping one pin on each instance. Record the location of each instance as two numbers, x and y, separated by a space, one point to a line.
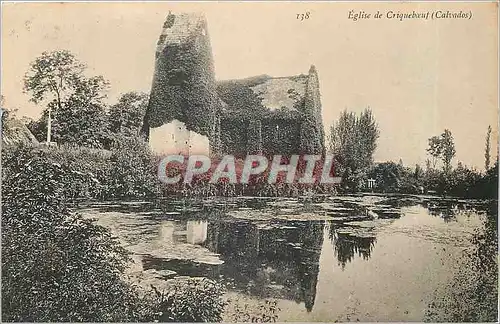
255 311
56 266
190 300
127 171
132 171
459 182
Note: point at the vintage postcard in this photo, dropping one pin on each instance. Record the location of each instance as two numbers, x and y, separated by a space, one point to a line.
249 161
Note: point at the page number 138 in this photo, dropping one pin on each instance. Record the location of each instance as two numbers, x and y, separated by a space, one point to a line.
303 16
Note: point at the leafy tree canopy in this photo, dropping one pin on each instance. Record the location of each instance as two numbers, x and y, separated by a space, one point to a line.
127 115
77 105
353 140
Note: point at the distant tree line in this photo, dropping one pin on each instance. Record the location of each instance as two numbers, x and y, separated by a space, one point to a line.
353 140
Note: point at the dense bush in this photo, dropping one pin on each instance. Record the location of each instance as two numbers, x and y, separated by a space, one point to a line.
80 164
388 176
189 300
131 172
463 182
56 266
127 171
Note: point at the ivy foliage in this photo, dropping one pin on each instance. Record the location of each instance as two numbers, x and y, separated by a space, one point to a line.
184 83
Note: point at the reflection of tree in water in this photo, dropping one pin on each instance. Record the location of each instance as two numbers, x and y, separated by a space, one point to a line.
347 245
443 209
279 260
448 209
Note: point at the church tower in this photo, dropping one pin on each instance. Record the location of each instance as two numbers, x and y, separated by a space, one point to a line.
183 99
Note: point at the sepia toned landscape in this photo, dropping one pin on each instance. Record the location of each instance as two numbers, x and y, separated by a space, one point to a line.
103 104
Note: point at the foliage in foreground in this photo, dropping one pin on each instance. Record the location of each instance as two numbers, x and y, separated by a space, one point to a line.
127 171
58 266
189 300
255 311
472 295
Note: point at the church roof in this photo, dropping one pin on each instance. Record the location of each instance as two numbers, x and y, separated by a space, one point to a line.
14 131
273 96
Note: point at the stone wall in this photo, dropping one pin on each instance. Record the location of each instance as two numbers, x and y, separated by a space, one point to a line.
280 136
255 136
175 138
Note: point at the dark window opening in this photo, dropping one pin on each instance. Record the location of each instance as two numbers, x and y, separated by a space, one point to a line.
176 77
169 22
161 39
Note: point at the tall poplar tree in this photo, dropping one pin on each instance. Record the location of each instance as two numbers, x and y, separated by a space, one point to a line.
487 149
352 141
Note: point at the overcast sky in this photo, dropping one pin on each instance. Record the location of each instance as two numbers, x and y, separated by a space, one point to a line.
419 77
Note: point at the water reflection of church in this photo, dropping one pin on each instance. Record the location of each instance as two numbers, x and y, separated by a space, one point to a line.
269 259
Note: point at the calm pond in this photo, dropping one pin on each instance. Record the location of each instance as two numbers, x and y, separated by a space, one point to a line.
353 258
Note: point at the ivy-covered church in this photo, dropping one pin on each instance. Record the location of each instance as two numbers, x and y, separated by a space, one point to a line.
190 112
